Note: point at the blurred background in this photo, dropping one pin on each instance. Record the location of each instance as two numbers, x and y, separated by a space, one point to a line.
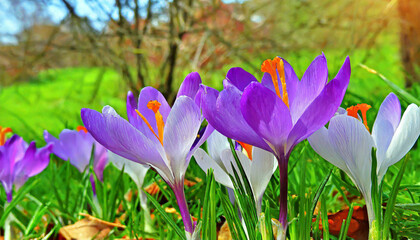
58 56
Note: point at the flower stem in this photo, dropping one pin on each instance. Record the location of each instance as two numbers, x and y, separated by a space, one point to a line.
183 208
282 161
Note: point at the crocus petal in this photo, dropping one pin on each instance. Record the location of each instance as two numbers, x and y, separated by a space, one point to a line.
201 139
58 148
72 145
34 162
22 167
310 86
217 143
292 82
404 138
353 143
223 112
205 163
119 136
320 142
229 161
41 161
180 132
386 123
132 116
190 85
14 148
267 114
322 109
240 78
262 166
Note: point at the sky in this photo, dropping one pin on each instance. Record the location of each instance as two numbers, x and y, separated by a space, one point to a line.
55 11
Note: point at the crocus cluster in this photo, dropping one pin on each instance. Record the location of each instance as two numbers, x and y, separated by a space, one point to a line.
265 119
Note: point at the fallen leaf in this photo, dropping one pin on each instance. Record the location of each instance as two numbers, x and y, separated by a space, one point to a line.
224 232
88 228
359 223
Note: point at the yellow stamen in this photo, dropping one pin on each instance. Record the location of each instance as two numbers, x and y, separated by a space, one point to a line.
363 107
248 149
3 132
275 68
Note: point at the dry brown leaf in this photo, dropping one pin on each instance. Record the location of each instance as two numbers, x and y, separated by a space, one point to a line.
359 223
224 232
88 228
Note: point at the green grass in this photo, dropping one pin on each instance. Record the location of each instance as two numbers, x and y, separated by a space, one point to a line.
53 99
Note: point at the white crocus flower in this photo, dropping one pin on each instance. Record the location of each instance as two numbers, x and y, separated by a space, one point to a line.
347 143
258 170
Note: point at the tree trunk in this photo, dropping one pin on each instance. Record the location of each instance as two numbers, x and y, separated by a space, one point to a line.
409 11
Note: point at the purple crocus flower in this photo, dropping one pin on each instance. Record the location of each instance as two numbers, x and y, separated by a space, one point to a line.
20 161
156 135
76 146
277 113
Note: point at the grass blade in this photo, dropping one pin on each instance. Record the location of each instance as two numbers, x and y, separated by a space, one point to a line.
167 218
209 208
399 91
392 199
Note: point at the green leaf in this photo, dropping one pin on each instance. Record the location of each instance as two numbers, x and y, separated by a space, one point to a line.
16 200
409 206
347 224
166 217
231 215
392 199
36 219
209 208
319 191
324 218
399 91
376 193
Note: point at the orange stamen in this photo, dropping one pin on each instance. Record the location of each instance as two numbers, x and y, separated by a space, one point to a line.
148 124
248 149
3 132
154 106
363 107
283 82
81 128
269 66
352 111
275 68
